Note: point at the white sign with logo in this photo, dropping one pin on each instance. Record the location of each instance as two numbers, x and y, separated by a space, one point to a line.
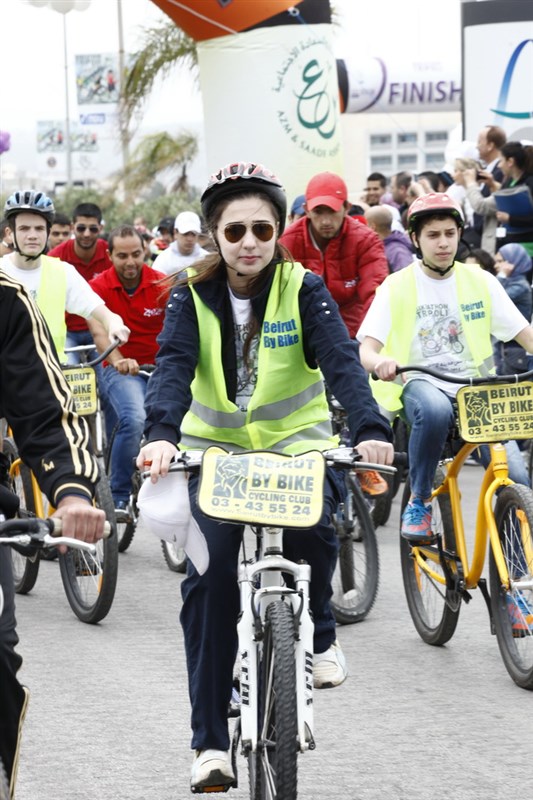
272 96
498 67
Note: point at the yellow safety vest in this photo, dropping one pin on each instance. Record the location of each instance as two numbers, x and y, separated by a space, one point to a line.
474 307
52 299
288 410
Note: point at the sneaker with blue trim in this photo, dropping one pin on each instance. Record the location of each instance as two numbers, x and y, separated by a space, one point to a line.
520 614
416 522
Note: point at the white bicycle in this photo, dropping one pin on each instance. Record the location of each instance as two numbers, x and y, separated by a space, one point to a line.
274 688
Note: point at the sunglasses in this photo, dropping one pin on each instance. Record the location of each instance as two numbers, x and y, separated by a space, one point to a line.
83 228
235 231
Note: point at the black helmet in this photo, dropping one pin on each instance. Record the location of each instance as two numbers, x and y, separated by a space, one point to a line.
245 177
36 202
166 224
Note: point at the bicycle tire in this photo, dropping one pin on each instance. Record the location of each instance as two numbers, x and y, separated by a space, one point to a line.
175 557
90 581
273 767
4 785
514 520
356 578
434 608
382 504
25 568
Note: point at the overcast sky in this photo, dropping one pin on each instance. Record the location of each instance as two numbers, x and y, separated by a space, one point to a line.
32 58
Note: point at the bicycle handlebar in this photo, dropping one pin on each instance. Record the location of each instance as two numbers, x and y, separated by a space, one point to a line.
464 381
337 457
43 532
98 359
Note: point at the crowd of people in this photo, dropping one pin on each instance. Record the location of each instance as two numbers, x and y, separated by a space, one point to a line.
366 283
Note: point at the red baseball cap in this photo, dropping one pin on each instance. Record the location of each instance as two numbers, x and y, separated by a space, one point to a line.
326 189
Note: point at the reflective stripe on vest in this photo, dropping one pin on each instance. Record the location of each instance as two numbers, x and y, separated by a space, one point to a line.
471 288
52 299
288 409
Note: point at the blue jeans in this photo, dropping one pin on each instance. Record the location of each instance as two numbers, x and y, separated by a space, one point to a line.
75 339
211 607
430 415
125 394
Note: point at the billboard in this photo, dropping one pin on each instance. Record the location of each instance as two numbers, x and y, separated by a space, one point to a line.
97 79
51 138
498 67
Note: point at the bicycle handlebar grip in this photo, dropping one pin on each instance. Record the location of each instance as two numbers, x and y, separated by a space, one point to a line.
56 527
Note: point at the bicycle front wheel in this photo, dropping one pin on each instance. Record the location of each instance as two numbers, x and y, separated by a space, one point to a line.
512 609
90 580
434 607
356 577
273 767
175 557
25 568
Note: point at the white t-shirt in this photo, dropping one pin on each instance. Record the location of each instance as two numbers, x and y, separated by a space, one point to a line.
80 298
246 376
438 340
171 260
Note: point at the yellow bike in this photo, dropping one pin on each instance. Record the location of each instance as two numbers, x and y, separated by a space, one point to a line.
438 576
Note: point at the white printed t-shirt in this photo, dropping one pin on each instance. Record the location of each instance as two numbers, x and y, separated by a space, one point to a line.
438 340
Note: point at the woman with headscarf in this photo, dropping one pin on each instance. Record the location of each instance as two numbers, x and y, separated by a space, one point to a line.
513 267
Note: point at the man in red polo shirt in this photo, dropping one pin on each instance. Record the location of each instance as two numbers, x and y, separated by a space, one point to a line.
88 254
133 290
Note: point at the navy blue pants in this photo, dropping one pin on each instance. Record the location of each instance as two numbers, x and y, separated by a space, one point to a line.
211 606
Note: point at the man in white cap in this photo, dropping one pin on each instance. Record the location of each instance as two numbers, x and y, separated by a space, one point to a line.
185 249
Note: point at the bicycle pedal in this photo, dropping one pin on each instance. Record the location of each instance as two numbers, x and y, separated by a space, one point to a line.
425 542
222 787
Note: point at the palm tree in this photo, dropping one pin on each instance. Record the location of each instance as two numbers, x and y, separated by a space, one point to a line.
164 47
159 156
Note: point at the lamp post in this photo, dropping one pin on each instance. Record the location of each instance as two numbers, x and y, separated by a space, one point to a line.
63 7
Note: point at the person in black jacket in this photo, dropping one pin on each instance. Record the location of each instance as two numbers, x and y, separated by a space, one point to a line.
244 333
53 442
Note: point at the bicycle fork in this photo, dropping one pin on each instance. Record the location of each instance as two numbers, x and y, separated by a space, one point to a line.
250 630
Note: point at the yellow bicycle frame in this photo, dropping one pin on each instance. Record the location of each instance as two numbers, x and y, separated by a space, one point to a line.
496 476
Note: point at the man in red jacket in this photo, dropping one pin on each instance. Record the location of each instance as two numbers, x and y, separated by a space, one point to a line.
348 255
87 252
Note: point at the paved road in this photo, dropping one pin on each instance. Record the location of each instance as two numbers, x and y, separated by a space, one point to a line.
108 718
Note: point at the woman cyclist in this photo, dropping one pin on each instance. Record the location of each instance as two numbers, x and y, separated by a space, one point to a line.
223 362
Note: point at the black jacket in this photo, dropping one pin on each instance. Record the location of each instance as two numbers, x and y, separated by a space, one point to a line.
326 342
36 401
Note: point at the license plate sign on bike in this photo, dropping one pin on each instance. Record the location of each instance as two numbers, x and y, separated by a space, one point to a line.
262 488
82 383
489 413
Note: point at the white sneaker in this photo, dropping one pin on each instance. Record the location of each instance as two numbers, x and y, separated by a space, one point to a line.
211 768
329 668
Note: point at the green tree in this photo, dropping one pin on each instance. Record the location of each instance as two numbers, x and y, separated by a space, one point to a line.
164 47
159 157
